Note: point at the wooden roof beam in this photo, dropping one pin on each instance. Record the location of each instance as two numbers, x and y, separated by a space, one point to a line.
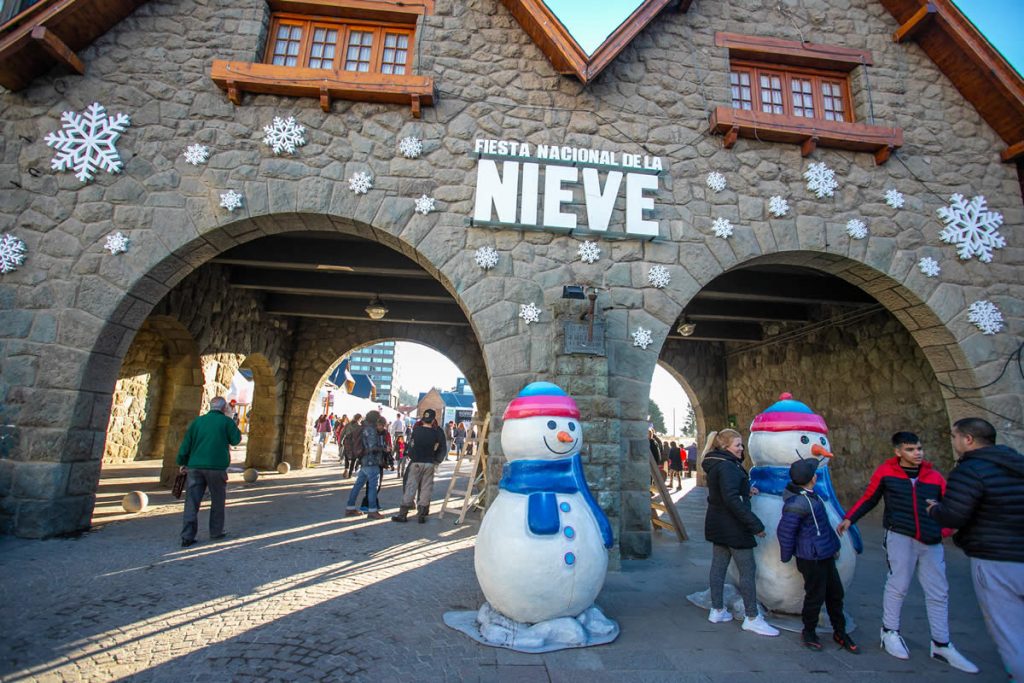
337 284
921 18
417 313
58 49
1014 152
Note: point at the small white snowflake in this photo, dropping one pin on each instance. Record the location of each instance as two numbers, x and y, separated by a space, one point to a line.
424 205
894 198
589 252
12 253
722 228
486 257
986 316
929 266
116 243
856 228
197 154
642 338
231 200
360 183
716 181
411 147
821 180
284 135
972 228
529 313
659 276
778 206
87 142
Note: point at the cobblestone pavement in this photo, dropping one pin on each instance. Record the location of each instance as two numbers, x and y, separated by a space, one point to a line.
296 593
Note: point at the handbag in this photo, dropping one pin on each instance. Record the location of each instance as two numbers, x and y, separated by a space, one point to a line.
179 484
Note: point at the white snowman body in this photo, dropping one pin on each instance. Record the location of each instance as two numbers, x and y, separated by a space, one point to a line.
529 577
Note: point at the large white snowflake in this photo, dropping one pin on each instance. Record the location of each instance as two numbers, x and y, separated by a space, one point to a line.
642 338
231 200
486 257
360 183
722 228
929 266
821 180
589 252
778 206
972 228
659 276
284 135
116 243
12 253
424 205
894 198
87 142
986 316
411 147
197 154
856 228
716 181
529 312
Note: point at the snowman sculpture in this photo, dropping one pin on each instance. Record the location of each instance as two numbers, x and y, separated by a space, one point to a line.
784 433
541 553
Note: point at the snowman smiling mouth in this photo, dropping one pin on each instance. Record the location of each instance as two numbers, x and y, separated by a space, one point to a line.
571 446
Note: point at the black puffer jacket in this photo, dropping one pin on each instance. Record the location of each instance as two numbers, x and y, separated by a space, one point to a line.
985 501
729 520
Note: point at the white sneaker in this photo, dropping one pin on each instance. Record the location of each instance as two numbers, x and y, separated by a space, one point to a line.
759 626
951 656
893 643
719 616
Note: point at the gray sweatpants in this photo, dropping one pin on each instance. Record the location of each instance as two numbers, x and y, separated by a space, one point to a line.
744 558
196 484
904 555
999 587
421 479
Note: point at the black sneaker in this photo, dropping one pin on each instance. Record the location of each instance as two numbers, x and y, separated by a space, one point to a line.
846 642
220 536
188 544
810 640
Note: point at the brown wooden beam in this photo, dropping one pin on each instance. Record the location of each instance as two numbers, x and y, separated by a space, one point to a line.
808 146
721 331
746 311
882 155
751 285
1013 152
731 136
347 309
58 49
325 255
921 18
338 284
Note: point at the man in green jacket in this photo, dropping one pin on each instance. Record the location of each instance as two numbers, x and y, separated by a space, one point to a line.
205 457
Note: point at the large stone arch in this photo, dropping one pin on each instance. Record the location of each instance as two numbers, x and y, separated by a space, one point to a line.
265 419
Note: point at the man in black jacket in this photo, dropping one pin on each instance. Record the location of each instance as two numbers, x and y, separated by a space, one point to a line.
429 448
985 500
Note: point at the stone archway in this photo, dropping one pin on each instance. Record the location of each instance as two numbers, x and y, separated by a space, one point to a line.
265 414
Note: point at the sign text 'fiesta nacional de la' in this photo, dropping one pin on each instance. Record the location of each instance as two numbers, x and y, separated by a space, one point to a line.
514 195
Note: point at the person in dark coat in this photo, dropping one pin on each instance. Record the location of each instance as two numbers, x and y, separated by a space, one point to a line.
675 465
984 500
731 526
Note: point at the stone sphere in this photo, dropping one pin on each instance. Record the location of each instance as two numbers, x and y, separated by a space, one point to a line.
250 475
284 468
135 501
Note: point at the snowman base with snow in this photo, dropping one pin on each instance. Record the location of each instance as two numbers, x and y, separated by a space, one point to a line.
540 555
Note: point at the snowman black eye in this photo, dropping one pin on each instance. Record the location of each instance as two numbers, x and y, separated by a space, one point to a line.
551 424
572 426
804 440
823 442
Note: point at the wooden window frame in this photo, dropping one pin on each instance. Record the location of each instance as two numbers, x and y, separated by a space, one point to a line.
787 73
344 28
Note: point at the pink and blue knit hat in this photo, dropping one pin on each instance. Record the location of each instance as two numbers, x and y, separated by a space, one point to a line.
788 415
542 399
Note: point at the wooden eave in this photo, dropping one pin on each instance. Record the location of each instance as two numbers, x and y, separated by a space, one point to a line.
976 69
51 32
397 11
562 50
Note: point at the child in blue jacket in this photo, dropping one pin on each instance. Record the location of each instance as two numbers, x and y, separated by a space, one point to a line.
804 531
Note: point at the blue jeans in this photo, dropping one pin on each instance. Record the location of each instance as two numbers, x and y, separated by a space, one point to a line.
367 475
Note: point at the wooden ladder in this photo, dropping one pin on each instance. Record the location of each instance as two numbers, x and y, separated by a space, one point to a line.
468 468
661 502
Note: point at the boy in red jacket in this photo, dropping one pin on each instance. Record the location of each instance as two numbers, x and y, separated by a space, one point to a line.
913 540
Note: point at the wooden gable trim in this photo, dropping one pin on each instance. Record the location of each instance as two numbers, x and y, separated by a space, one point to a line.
792 52
397 11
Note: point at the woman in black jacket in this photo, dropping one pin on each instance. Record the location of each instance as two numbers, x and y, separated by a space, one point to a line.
731 526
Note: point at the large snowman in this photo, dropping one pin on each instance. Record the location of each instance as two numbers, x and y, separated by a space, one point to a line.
541 553
784 433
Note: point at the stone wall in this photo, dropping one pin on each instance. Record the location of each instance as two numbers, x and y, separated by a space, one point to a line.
134 408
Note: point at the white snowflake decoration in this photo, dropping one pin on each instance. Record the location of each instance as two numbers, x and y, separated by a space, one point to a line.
722 228
424 205
87 142
12 253
231 200
778 206
894 198
589 252
486 257
856 228
986 316
642 338
821 180
197 154
659 276
284 135
929 266
529 313
971 228
116 243
360 183
716 181
411 147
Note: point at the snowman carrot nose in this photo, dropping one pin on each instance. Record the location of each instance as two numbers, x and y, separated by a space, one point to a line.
564 437
817 450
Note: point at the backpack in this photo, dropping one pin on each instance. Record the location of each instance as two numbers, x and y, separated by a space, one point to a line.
354 444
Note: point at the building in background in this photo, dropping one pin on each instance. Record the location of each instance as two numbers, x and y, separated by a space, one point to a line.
377 362
458 405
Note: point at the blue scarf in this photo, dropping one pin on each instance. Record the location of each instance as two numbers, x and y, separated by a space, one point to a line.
541 480
773 479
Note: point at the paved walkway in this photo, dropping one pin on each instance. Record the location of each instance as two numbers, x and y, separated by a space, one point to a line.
297 593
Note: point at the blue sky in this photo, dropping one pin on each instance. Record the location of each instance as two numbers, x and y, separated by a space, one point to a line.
1001 21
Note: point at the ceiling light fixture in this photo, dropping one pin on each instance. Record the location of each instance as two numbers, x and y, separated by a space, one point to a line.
376 308
686 328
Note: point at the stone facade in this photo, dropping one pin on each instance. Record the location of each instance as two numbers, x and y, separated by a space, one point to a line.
69 315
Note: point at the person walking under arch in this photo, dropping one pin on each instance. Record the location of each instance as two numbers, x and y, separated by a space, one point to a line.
348 444
373 436
459 435
428 449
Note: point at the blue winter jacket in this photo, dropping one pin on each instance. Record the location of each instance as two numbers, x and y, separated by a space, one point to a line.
804 529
